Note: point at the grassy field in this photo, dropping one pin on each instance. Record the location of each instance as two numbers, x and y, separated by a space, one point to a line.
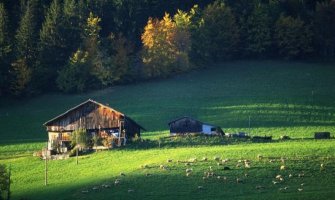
294 99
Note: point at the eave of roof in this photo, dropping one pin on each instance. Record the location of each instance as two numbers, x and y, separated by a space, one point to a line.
184 118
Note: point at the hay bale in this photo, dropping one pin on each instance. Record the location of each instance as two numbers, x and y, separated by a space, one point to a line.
322 135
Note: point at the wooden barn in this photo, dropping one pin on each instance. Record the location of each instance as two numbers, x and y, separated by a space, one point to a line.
97 119
186 125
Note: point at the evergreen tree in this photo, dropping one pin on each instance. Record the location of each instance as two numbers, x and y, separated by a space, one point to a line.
52 47
324 29
72 26
25 52
293 37
259 38
5 49
219 34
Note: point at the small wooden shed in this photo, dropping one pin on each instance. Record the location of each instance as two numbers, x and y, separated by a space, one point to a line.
96 119
185 125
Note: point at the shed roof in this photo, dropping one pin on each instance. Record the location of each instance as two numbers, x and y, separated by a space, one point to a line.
83 104
183 117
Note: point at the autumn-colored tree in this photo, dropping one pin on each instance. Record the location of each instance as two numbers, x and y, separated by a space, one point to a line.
166 45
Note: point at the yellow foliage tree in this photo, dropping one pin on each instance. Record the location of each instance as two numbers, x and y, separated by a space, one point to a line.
166 44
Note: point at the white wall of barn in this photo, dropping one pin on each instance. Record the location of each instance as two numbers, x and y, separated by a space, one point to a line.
206 129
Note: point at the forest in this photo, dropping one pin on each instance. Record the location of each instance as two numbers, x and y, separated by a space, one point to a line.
73 46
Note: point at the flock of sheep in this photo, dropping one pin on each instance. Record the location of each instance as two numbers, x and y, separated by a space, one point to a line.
221 172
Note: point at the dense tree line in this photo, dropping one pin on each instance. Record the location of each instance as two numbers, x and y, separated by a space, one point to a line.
77 45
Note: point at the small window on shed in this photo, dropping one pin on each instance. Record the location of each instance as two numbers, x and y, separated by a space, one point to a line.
213 129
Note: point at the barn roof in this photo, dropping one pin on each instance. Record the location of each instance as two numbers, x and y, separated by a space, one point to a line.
183 117
180 118
83 104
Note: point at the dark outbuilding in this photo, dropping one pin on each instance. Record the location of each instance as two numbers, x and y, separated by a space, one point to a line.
185 125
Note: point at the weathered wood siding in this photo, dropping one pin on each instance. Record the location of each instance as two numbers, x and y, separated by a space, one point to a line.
185 125
88 116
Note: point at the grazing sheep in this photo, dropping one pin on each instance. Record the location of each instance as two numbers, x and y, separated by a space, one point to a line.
147 174
219 164
188 174
238 165
290 175
226 168
246 175
193 160
224 178
169 160
218 177
271 161
279 176
200 187
239 161
95 188
247 165
188 164
204 159
322 166
122 174
210 168
105 185
189 170
204 178
302 184
301 175
258 187
131 190
84 191
117 182
162 167
275 182
283 167
225 161
300 189
284 188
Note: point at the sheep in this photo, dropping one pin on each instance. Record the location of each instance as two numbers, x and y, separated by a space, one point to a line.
219 164
84 191
122 174
282 160
322 166
105 185
188 164
144 166
225 160
279 176
189 170
246 175
216 158
188 174
204 159
300 189
226 168
200 187
274 182
131 190
169 160
117 182
302 184
193 160
210 168
247 165
204 178
290 175
147 174
162 167
95 188
258 187
283 167
301 175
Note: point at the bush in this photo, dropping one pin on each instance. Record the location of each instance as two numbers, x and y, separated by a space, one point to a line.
4 182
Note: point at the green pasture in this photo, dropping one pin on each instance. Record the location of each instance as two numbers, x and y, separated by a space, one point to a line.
280 98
